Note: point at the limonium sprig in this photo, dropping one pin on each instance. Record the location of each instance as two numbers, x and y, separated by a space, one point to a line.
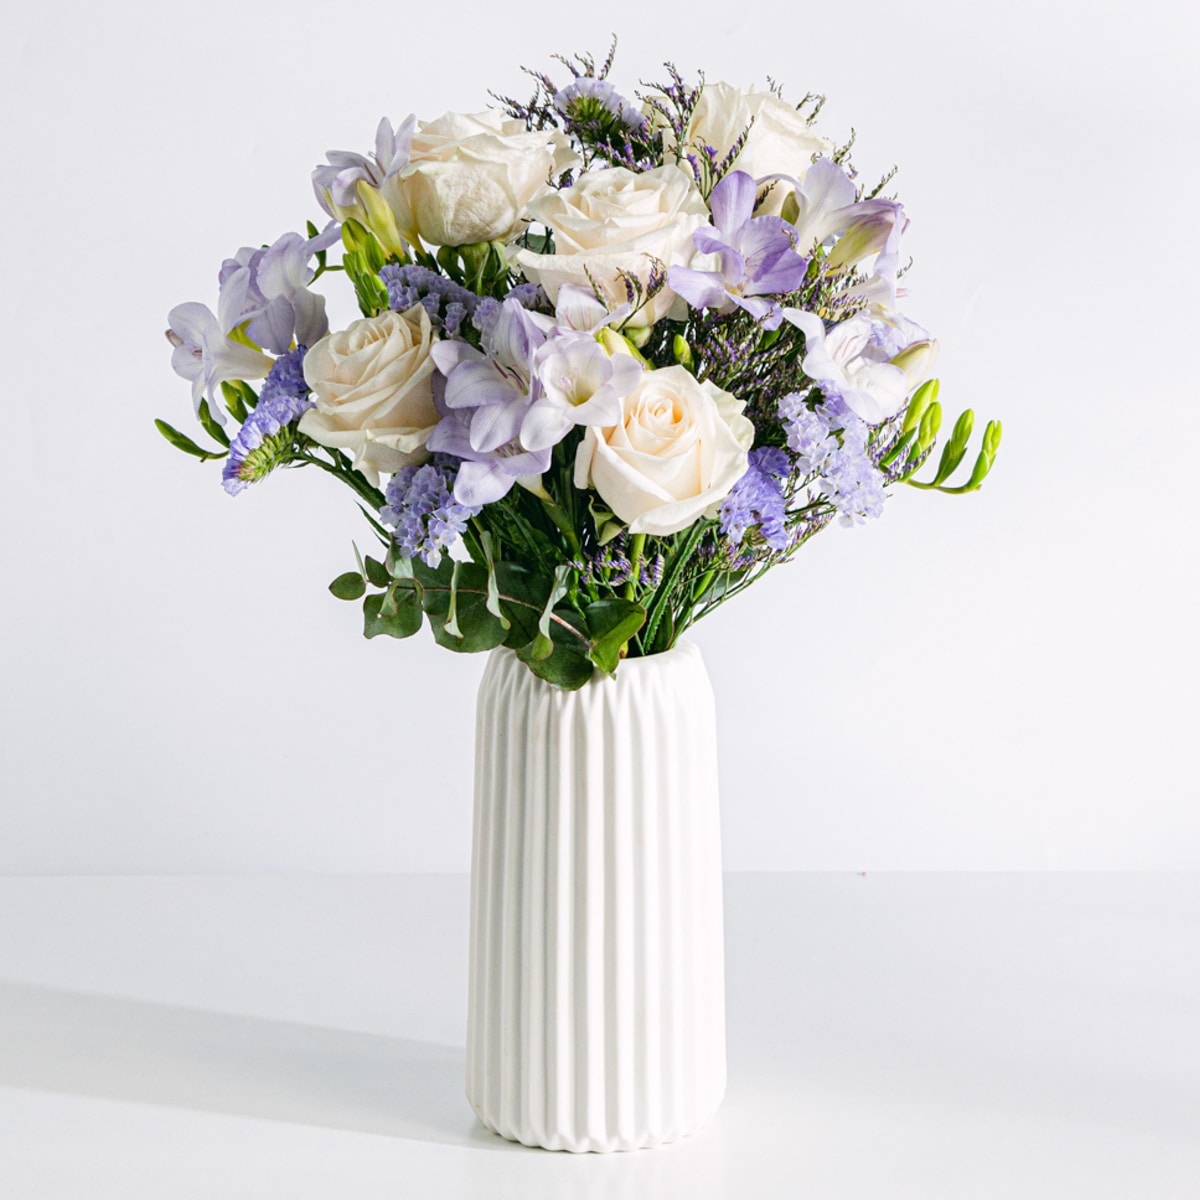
622 350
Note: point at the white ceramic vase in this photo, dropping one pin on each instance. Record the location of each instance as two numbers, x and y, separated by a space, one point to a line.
596 1014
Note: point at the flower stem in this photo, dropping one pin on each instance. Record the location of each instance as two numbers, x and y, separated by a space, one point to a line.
635 564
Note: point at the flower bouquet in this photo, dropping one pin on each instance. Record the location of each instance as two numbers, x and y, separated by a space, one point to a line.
617 359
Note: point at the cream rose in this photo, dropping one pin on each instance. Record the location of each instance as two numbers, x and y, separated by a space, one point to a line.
780 141
614 220
470 177
371 385
679 449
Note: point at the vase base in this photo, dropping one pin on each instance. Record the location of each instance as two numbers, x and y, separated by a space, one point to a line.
562 1143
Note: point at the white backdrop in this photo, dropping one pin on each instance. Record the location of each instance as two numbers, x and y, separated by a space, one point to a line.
998 681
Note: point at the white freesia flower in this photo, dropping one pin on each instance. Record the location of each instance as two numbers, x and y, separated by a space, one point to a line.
371 385
860 360
676 453
470 177
780 141
580 384
205 357
615 220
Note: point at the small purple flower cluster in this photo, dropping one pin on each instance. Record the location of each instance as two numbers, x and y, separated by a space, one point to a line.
447 303
267 434
487 311
831 443
422 510
589 100
757 500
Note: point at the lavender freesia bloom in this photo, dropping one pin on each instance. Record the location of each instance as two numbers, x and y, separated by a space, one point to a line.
336 182
267 290
483 404
483 476
757 257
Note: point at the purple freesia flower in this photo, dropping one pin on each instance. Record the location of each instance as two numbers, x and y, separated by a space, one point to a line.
336 182
484 401
267 289
757 256
484 475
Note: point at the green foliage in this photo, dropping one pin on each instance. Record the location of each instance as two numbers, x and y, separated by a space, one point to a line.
350 586
477 606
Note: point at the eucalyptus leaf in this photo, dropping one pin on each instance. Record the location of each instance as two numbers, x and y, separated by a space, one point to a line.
403 622
611 624
349 586
376 572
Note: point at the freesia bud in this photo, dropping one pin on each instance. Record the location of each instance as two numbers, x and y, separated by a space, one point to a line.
917 361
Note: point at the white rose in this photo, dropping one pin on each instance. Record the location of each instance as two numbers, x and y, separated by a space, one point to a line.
679 449
780 140
371 386
614 220
470 177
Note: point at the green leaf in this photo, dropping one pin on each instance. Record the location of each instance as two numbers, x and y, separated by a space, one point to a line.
522 595
455 599
404 613
349 586
234 402
493 594
183 442
543 646
211 425
376 572
611 624
566 665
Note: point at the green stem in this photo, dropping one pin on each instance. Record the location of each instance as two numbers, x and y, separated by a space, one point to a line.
635 564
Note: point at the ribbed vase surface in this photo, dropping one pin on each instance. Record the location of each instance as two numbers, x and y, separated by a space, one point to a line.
596 1014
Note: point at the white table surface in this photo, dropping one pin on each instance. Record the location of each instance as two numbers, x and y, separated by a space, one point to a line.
890 1036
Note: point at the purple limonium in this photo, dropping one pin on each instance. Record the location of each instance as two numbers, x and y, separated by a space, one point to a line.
757 257
266 290
266 437
487 310
830 442
591 101
757 500
447 303
422 510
